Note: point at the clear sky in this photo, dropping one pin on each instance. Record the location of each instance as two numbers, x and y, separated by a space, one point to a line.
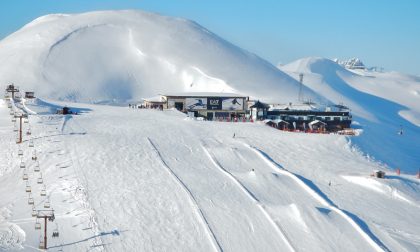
381 32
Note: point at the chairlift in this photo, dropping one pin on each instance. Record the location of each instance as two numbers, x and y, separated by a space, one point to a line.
44 191
26 120
47 203
30 200
36 168
20 152
13 119
28 132
15 129
31 143
12 113
40 180
28 187
34 212
25 175
22 164
37 225
41 243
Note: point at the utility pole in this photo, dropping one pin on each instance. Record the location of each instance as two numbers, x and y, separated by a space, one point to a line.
300 87
46 215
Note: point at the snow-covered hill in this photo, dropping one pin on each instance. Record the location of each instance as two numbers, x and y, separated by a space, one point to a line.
117 56
382 103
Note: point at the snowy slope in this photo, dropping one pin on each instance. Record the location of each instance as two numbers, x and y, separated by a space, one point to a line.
118 56
156 181
381 103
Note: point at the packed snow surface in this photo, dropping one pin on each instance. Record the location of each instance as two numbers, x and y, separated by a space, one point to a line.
144 180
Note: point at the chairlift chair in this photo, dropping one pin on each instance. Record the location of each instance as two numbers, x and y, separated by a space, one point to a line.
37 225
22 164
15 128
31 143
47 203
20 152
34 157
34 212
13 119
30 200
36 168
41 243
11 112
40 180
44 191
28 132
28 187
26 120
55 233
25 175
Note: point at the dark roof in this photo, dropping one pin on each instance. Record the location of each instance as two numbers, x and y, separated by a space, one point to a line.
260 105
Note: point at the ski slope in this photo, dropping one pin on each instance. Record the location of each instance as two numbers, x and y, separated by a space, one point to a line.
382 104
145 180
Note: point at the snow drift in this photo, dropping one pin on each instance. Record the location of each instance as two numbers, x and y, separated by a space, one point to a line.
118 56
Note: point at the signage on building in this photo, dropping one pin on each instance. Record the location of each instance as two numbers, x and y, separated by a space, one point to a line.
214 103
233 104
196 103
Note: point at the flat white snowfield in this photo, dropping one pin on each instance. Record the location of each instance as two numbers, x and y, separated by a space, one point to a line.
145 180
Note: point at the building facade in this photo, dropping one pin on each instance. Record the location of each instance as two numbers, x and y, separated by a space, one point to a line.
208 105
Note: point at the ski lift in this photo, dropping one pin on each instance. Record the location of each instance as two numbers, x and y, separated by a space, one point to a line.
22 164
40 181
20 152
26 120
28 131
31 143
28 187
44 191
34 212
13 119
30 200
41 243
47 203
37 225
36 168
34 157
25 175
15 128
11 112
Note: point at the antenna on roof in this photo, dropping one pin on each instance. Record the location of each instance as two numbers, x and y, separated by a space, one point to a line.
300 86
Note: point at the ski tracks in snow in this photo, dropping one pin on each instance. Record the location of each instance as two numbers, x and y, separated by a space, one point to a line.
193 201
367 235
276 226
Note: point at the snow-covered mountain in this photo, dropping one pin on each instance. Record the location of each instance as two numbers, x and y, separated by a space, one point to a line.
116 56
121 179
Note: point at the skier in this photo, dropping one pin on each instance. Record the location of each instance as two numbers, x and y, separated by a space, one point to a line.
233 135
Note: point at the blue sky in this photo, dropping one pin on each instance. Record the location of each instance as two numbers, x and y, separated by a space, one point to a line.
382 33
